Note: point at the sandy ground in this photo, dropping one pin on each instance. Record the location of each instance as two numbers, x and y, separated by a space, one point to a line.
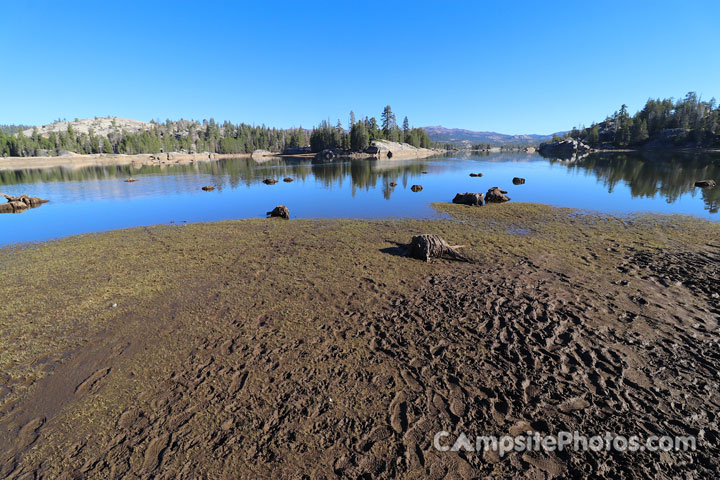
315 349
80 161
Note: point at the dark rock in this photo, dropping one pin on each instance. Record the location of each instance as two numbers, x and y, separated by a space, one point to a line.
280 211
270 181
518 181
208 188
416 188
706 184
495 195
468 198
288 179
476 174
393 184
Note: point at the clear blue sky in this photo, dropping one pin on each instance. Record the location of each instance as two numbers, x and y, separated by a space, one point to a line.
506 66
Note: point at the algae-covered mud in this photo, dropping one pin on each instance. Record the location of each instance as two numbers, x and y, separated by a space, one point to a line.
315 349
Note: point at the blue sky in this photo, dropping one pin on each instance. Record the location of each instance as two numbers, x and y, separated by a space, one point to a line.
506 66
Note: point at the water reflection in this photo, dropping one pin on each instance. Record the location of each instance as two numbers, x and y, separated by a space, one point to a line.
649 174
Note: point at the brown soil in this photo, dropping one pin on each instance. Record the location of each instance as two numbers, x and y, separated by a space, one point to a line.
314 349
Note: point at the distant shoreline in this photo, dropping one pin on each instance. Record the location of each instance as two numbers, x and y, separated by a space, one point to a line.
102 159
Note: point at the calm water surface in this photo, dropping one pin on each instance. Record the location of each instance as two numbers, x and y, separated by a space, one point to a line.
96 198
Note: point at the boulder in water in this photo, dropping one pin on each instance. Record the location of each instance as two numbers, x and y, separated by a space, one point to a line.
280 211
270 181
416 188
476 174
468 198
518 181
208 188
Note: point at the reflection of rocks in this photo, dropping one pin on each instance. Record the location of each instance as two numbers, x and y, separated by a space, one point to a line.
281 211
706 184
518 181
416 188
568 149
20 203
495 195
468 198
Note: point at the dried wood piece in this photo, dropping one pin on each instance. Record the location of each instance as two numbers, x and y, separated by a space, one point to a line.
425 247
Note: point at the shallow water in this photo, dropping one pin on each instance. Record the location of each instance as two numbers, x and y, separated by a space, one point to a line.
96 198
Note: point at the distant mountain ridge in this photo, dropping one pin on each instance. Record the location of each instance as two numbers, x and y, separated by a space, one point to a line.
464 137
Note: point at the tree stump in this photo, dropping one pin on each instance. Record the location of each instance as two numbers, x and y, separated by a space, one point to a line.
416 188
425 247
280 211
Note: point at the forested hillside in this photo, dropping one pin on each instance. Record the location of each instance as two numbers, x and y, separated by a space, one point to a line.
688 122
113 135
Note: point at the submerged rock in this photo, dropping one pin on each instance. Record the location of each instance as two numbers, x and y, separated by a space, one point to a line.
280 211
518 181
416 188
468 198
705 183
495 195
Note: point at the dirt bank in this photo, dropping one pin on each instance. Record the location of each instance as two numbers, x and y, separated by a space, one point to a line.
314 349
79 161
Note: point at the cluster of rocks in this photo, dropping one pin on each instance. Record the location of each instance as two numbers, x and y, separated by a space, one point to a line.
494 195
20 203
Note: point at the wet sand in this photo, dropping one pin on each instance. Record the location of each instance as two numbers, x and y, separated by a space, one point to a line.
315 349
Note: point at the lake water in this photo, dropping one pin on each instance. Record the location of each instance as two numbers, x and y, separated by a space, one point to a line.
96 198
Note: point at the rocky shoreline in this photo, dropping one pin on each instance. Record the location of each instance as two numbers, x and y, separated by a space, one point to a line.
87 160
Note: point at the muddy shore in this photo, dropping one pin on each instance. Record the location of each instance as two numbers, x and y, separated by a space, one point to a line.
315 349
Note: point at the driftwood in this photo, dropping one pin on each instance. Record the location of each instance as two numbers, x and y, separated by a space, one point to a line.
468 198
208 188
280 211
416 188
518 181
425 247
270 181
495 195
